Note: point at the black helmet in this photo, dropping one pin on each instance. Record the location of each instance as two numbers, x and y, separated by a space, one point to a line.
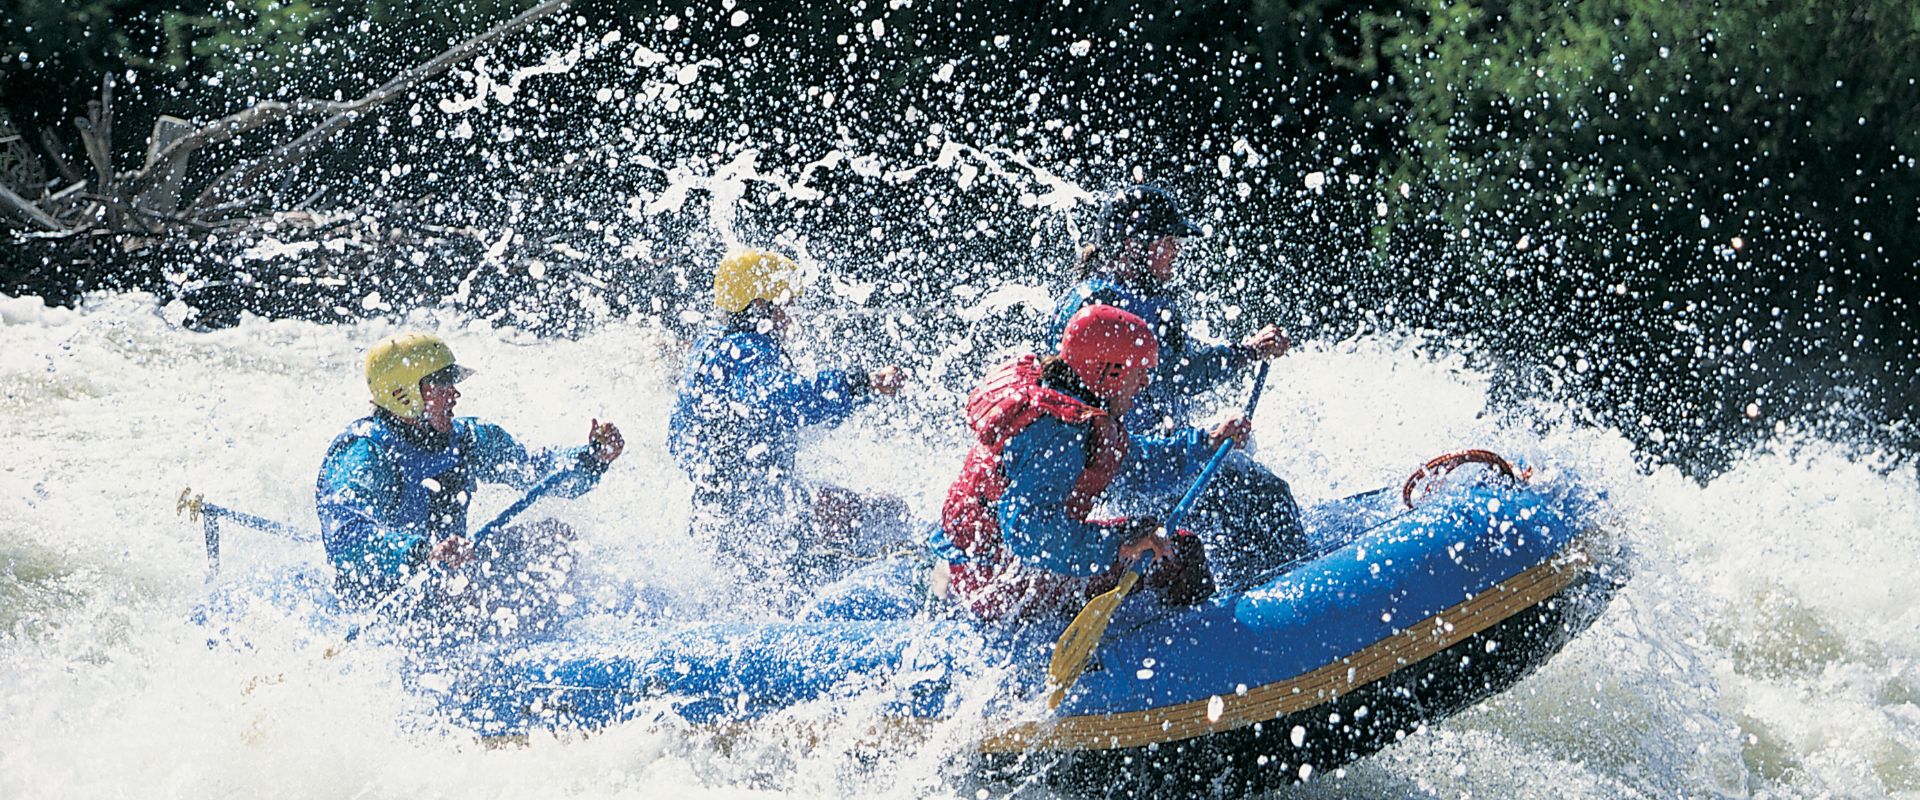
1144 211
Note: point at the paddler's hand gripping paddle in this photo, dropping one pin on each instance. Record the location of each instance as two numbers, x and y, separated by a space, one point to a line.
1077 643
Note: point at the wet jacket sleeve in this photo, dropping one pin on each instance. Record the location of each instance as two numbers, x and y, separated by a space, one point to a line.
1041 464
794 400
495 457
1163 465
1202 368
357 497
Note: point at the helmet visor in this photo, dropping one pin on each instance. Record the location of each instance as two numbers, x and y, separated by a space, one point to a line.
447 375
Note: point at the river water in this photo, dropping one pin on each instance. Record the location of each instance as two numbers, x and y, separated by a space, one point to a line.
1767 646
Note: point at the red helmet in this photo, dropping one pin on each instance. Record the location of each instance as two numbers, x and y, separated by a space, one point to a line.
1103 344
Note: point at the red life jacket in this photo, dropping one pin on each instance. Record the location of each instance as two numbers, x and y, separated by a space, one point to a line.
1008 400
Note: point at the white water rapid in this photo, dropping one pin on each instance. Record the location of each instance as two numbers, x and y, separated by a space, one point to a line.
1768 645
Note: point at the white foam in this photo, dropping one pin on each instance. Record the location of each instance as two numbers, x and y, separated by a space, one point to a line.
1771 603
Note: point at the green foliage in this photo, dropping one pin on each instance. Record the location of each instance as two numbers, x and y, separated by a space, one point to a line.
82 32
1641 181
1656 113
250 45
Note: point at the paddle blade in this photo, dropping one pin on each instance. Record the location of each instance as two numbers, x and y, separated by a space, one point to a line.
1077 643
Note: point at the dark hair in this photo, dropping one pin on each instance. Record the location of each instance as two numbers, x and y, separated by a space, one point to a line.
1056 375
1144 211
1140 212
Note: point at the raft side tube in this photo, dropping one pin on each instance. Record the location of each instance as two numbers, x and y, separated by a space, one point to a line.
1392 579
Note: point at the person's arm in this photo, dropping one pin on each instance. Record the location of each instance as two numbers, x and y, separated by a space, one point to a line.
1163 465
355 496
830 397
1195 366
1206 367
827 398
496 457
1041 464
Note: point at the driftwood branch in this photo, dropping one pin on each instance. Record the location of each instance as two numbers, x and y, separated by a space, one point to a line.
148 199
172 154
224 186
96 134
58 153
162 192
19 207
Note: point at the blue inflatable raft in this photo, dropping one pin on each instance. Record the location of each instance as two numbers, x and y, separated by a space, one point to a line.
1399 619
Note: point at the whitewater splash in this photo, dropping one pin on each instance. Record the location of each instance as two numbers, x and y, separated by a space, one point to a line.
1769 644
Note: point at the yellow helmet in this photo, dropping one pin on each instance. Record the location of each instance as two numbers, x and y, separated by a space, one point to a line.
748 275
399 362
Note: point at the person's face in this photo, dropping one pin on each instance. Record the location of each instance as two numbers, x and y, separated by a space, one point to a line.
439 399
1132 382
776 321
1160 256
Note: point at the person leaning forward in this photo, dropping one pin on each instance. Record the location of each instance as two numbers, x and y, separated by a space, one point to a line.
1249 517
1015 539
736 429
394 489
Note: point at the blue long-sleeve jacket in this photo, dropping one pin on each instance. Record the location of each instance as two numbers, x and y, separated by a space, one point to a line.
737 420
1041 465
387 490
1186 368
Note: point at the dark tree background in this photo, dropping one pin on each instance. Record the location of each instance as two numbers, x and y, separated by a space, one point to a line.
1694 222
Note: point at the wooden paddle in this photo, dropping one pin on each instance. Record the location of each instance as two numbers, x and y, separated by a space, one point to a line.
1082 635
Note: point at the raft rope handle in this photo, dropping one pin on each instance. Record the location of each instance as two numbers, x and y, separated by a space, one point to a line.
1447 463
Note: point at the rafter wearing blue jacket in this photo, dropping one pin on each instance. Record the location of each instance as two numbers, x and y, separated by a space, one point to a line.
394 489
388 491
736 431
737 421
1249 514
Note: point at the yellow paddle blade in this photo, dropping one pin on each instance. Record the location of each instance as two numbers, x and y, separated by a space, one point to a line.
1082 635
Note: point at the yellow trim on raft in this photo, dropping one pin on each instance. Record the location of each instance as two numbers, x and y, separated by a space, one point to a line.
1191 720
1369 664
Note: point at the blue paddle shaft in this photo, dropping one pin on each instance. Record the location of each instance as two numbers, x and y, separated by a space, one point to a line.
1259 385
213 511
1199 486
507 514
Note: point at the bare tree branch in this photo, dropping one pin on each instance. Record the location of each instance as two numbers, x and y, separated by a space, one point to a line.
291 152
226 129
28 211
96 134
58 153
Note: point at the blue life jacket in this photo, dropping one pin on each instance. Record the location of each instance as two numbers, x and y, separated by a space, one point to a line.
385 495
737 420
433 484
